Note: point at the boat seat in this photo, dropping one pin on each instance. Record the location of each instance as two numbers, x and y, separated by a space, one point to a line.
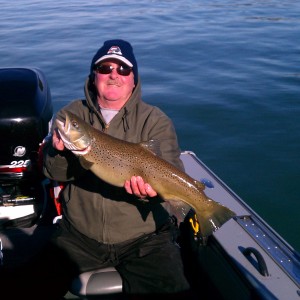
97 282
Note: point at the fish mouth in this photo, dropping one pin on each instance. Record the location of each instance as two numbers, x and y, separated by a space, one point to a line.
82 151
64 130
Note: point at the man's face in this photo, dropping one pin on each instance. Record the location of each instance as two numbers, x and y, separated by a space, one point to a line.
113 89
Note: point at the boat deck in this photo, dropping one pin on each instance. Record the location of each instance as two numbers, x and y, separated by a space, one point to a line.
244 259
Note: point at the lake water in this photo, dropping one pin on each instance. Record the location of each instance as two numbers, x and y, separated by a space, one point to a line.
226 72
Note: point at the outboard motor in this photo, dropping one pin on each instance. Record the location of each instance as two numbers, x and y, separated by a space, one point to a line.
25 114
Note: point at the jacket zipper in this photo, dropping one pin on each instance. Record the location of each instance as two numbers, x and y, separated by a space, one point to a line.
106 127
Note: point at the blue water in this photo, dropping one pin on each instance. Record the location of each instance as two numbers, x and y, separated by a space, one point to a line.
226 72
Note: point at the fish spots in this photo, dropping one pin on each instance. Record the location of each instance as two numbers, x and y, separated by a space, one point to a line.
114 161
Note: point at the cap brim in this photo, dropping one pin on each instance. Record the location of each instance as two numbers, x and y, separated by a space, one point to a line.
115 56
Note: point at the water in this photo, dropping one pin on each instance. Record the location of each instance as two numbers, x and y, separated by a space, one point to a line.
226 72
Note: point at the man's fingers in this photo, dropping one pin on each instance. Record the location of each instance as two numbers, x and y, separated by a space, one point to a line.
57 141
139 188
149 190
128 187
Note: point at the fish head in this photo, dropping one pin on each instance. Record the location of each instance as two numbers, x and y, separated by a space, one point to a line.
74 133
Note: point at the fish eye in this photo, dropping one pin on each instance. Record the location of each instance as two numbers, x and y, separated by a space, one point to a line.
75 124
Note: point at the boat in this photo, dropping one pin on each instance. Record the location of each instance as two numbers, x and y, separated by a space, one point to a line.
244 259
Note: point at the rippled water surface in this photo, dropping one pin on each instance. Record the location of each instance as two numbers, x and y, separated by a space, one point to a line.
226 72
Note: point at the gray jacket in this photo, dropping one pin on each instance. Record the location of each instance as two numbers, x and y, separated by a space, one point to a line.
98 210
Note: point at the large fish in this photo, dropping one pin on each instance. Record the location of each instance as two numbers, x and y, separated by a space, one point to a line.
115 160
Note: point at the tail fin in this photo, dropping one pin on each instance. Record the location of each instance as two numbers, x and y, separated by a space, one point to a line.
212 219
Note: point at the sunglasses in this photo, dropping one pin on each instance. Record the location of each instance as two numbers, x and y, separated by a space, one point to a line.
107 69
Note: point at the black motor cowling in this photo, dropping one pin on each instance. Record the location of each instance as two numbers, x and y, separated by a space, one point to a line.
26 110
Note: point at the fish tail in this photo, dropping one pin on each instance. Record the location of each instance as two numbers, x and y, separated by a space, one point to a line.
212 219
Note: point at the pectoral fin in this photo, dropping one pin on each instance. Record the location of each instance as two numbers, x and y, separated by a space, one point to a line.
84 163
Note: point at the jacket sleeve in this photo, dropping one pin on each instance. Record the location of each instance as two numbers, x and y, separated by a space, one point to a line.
60 165
162 130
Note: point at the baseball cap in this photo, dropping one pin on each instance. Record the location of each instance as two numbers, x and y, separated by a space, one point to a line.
116 49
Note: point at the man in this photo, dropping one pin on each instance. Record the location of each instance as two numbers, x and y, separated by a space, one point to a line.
102 225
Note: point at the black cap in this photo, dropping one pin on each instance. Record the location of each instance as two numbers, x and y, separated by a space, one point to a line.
116 49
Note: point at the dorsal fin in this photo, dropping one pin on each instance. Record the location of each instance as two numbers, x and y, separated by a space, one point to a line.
153 146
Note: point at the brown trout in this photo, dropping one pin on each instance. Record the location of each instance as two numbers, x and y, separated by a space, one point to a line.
114 161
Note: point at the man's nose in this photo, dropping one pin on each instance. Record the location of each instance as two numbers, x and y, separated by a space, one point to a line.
114 73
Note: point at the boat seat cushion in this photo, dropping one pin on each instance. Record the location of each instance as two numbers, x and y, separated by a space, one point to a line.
97 282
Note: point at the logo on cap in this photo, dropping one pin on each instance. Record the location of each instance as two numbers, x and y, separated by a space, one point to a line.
115 50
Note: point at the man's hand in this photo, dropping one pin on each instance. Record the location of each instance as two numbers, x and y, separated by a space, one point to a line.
139 188
57 142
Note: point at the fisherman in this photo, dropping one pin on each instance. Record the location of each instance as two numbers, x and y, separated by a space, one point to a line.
128 228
